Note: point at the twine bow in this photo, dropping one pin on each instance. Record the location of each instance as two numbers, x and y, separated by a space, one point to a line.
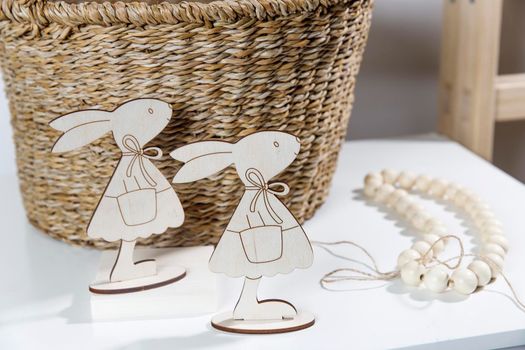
255 177
131 143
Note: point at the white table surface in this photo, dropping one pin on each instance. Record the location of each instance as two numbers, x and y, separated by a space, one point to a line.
44 303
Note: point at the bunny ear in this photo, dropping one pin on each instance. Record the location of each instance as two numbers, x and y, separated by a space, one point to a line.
80 128
202 160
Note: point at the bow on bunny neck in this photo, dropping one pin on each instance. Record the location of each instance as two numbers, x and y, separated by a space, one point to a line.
131 143
263 188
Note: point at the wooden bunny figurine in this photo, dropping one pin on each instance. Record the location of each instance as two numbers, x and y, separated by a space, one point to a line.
138 201
263 238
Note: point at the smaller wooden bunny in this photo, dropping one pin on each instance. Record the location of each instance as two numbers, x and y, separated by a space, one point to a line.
263 238
138 201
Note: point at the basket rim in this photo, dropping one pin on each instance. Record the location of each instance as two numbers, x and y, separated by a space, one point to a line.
44 12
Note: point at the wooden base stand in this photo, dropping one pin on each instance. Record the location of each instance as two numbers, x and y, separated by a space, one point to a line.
165 275
226 323
193 295
168 270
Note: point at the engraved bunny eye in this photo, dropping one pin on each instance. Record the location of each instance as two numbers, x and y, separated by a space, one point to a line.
150 110
276 144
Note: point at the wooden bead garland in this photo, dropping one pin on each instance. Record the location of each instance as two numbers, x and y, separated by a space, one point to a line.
391 188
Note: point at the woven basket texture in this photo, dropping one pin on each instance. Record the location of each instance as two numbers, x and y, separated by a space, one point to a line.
228 68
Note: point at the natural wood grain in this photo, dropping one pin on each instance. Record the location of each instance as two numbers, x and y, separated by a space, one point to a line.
262 237
164 277
510 97
138 201
449 66
226 323
469 69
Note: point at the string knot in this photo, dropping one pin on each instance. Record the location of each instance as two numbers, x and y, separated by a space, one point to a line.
263 188
131 144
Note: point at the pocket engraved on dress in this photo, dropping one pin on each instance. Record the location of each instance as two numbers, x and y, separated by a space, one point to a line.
138 207
262 244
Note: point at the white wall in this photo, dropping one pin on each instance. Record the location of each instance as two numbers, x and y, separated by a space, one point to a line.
396 90
397 87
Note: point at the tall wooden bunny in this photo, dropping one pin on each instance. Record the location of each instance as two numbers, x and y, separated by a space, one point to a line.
138 200
263 238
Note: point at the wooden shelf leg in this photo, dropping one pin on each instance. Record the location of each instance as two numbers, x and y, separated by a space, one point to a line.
469 66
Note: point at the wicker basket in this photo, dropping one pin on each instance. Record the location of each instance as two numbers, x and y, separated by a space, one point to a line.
228 68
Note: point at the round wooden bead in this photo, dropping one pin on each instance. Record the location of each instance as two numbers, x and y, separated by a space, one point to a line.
493 248
464 281
492 230
477 199
406 180
407 256
389 176
495 262
471 205
431 239
412 210
483 216
372 186
431 223
437 187
460 198
402 204
420 219
484 208
499 240
370 191
439 230
373 177
436 279
450 192
412 272
383 192
492 223
469 195
396 196
482 271
422 183
423 248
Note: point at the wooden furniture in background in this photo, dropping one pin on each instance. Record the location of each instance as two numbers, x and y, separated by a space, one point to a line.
473 97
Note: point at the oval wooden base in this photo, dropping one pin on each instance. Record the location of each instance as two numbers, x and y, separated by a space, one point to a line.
163 277
226 323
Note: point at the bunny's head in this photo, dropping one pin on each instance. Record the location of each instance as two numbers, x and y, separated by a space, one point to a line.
270 152
142 118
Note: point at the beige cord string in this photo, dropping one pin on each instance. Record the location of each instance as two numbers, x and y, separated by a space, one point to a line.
377 275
